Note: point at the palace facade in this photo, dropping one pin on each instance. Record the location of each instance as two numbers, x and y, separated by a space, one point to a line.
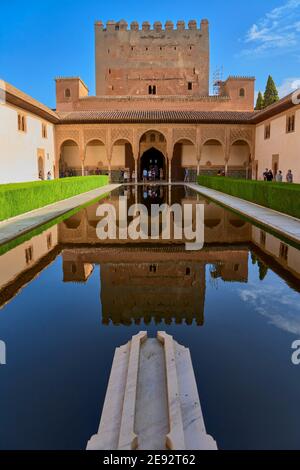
152 108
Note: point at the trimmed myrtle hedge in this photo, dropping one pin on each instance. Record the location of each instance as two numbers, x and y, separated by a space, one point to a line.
282 197
18 198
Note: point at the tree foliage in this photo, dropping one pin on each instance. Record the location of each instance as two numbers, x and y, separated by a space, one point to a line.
260 102
271 93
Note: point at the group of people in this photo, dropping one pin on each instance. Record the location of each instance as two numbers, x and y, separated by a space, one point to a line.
41 176
269 176
126 177
154 173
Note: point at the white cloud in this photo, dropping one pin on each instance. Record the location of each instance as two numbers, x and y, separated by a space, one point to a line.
272 303
288 86
277 31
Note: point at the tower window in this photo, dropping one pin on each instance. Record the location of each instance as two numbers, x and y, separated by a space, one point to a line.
263 238
44 131
284 251
29 254
242 92
267 131
49 241
290 123
152 89
67 93
22 123
190 86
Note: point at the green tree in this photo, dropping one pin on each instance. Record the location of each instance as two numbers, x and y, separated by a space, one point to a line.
260 101
253 258
263 270
271 93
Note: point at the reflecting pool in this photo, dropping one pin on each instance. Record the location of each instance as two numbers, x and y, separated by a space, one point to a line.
67 300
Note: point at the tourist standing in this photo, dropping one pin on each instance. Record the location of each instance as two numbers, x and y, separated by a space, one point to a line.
270 176
279 177
145 175
289 177
125 176
161 174
186 175
133 176
49 177
265 174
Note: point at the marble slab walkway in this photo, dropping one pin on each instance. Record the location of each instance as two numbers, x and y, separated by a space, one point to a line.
16 226
285 225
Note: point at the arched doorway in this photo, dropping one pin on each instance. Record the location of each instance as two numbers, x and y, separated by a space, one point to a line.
69 162
41 168
95 162
239 160
122 161
184 158
212 157
153 159
152 149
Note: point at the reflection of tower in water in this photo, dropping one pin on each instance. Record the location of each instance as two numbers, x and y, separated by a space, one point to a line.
160 291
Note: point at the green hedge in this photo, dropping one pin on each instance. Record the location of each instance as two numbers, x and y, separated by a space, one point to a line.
282 197
18 198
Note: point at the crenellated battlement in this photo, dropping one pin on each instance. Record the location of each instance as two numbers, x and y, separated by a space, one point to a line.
122 25
152 59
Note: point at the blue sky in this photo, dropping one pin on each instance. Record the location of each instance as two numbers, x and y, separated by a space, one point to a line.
40 40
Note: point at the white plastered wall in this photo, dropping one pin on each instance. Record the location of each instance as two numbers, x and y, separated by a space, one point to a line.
287 146
19 150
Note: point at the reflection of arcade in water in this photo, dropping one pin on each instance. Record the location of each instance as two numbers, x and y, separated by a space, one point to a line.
154 284
221 226
161 282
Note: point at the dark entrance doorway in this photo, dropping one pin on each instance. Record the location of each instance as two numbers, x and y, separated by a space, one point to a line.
153 159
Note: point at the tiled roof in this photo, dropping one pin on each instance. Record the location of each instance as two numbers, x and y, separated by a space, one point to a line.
157 116
22 100
19 98
276 108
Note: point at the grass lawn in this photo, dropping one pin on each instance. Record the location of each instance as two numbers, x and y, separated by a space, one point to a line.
282 197
18 198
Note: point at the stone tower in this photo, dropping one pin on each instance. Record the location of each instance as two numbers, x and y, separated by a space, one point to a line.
152 61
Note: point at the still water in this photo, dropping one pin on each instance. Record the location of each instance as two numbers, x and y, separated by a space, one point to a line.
67 301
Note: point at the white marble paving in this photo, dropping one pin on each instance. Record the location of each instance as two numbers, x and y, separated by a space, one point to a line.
16 226
283 224
152 401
